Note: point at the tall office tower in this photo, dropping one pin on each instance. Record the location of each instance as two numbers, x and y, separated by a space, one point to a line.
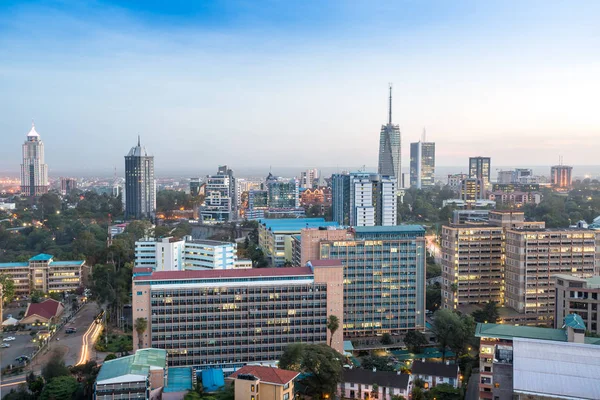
34 172
233 189
471 190
390 146
194 186
340 198
384 276
534 256
140 186
506 177
308 178
227 319
219 203
385 190
422 164
282 194
480 168
67 185
561 176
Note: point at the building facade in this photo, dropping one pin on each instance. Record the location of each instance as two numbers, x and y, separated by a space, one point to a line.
309 178
472 190
381 385
195 186
578 295
390 147
560 176
422 164
480 168
140 185
34 170
220 204
455 180
265 382
67 185
533 256
227 319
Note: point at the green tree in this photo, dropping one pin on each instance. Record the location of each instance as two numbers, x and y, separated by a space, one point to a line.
55 368
333 324
418 394
386 339
35 383
444 391
110 356
446 325
489 313
60 388
379 363
20 394
140 326
415 341
433 297
191 395
292 356
8 288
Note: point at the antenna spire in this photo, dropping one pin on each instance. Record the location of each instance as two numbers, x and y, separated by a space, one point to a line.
390 109
424 139
138 140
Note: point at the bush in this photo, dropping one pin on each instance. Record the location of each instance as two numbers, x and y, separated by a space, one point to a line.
109 357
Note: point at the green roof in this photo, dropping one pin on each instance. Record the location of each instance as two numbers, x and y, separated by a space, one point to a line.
41 257
509 332
138 364
574 321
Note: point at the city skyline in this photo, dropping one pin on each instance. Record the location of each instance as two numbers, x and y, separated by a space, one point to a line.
515 78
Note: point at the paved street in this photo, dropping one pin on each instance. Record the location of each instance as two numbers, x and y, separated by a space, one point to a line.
473 387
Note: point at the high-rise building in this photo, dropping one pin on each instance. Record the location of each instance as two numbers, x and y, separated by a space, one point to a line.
390 146
308 178
194 186
364 199
67 185
384 275
480 168
561 176
533 256
227 319
34 171
140 186
422 164
282 194
455 180
579 295
471 190
220 199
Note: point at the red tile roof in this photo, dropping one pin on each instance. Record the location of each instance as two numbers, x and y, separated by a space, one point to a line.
226 273
326 263
267 374
46 309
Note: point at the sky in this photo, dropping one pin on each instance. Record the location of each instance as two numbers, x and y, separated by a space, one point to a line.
282 83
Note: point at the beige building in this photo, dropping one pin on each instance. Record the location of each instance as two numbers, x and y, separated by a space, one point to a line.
254 382
308 246
578 295
534 256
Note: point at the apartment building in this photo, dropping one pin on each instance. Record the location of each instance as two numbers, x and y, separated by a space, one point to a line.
265 382
43 273
384 276
533 256
229 318
275 236
171 254
578 295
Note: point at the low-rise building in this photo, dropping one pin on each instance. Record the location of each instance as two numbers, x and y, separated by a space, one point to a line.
434 374
254 382
43 273
578 295
367 384
132 377
42 315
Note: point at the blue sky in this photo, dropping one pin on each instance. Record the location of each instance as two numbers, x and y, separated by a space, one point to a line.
286 83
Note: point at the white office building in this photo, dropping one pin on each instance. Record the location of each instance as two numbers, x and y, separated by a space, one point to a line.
170 254
373 200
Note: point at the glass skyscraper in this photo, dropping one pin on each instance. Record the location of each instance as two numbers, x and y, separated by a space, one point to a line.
34 172
140 186
422 164
390 147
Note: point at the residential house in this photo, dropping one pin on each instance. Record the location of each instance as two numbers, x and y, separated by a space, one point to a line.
366 384
434 374
252 382
42 314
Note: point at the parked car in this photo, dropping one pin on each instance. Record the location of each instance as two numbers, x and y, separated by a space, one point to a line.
22 359
70 330
4 345
9 339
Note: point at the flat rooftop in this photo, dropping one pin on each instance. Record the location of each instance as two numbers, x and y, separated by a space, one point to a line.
510 332
295 224
225 273
389 229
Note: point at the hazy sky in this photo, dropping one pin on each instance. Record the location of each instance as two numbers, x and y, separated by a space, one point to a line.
298 83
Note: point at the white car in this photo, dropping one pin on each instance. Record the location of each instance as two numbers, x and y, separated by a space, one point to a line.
9 339
4 345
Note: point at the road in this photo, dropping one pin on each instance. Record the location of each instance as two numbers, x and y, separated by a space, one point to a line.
473 387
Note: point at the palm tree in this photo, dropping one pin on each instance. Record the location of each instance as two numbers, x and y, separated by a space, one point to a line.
333 323
140 326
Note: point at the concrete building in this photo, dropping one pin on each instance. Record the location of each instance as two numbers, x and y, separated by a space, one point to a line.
283 194
533 256
132 377
433 373
578 295
515 199
275 236
34 170
265 382
67 185
472 190
480 168
384 276
464 216
422 164
309 178
455 180
195 186
220 203
41 315
381 385
229 318
43 273
140 185
560 176
390 147
524 362
170 254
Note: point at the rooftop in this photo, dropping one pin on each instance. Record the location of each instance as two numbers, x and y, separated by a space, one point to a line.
295 224
574 321
46 309
133 366
382 378
272 375
389 229
226 273
435 369
592 282
41 257
326 263
510 332
14 264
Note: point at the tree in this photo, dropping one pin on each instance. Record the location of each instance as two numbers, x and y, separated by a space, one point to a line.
418 394
379 363
446 325
20 394
433 297
55 368
60 388
386 339
35 384
140 326
191 395
489 313
415 341
110 356
292 356
444 391
8 288
333 324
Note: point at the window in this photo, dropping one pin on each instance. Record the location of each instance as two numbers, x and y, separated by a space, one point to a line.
252 388
286 396
286 386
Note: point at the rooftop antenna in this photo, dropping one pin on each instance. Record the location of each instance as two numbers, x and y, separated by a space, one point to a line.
390 110
138 140
424 138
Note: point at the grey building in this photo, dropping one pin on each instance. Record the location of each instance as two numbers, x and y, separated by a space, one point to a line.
140 186
390 146
220 204
422 164
340 198
480 168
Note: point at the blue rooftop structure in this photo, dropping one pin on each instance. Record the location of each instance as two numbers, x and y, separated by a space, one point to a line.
41 257
575 321
212 379
179 380
14 264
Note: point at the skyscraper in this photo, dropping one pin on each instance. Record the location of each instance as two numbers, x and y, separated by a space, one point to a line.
220 204
480 168
561 176
390 162
34 172
422 164
140 186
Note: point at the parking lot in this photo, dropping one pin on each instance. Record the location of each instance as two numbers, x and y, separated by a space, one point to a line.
21 346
